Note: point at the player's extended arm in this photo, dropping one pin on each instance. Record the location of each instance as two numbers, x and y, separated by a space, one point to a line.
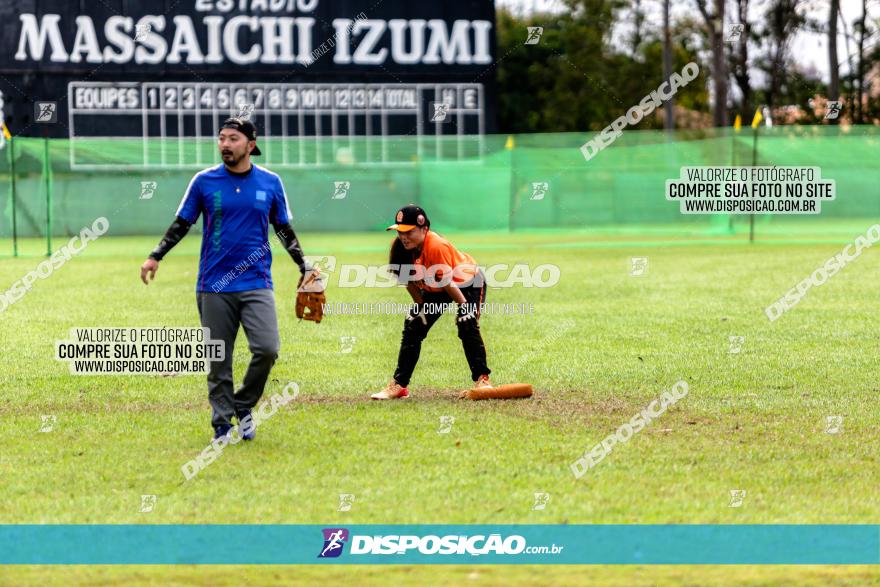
175 232
455 293
291 244
310 298
418 309
414 292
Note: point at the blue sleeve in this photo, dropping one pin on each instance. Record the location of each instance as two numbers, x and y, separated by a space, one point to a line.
191 203
280 212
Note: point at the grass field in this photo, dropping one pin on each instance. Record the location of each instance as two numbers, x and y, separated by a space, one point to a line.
598 348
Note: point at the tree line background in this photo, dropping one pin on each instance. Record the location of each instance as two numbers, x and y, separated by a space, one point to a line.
575 78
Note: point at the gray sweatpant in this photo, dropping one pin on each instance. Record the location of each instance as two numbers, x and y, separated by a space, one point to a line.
222 313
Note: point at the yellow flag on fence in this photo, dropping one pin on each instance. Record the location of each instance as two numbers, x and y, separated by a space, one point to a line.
758 118
6 132
737 123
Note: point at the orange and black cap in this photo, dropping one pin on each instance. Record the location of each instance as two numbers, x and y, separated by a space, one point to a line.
245 127
409 217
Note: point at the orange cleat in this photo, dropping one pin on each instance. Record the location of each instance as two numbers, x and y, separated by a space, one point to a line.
391 391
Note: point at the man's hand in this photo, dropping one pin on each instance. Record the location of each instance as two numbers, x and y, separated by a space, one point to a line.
150 267
310 297
312 280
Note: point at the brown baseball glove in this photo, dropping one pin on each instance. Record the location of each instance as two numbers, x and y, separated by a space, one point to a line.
310 298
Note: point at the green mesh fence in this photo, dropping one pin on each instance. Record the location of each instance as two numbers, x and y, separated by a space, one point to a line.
466 183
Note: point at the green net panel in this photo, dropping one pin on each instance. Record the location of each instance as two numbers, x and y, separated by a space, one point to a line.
536 182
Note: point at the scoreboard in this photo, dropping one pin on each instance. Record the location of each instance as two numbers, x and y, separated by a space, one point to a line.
161 75
192 112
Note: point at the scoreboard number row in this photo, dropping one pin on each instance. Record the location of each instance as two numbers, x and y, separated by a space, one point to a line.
173 121
194 97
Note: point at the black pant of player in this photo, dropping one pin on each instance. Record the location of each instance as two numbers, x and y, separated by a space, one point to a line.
467 320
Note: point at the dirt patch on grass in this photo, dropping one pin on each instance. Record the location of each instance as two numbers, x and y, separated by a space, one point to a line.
560 407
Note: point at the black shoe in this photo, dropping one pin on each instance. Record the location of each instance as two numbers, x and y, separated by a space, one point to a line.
246 426
221 431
